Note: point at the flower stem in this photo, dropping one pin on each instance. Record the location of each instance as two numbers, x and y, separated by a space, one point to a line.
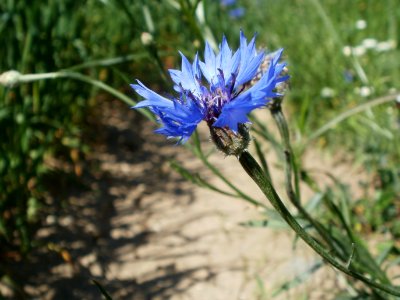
23 78
252 168
290 168
199 153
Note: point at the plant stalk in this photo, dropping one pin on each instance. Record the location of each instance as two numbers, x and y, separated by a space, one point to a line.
252 168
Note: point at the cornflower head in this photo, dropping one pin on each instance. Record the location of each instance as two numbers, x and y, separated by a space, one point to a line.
236 13
227 2
219 90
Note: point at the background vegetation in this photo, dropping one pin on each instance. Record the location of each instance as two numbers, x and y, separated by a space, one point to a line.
341 54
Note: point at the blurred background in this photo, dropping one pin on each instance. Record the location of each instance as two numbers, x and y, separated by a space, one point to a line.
88 192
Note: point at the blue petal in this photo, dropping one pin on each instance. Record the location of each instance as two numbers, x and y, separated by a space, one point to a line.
224 56
249 69
231 120
231 115
264 88
196 67
237 12
152 98
176 78
187 78
208 68
224 61
180 121
258 95
269 80
250 61
227 2
228 63
179 118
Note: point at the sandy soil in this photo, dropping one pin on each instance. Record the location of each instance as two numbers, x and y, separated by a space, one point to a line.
145 233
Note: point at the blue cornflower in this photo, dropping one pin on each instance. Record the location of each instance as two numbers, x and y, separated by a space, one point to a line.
217 90
227 2
234 13
237 12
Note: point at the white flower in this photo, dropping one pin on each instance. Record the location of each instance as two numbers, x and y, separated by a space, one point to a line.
346 50
369 43
327 92
364 91
10 78
146 38
386 46
361 24
359 50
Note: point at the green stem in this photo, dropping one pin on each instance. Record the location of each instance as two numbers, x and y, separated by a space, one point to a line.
199 153
138 28
252 168
78 76
263 161
262 130
191 20
290 165
367 262
281 123
108 61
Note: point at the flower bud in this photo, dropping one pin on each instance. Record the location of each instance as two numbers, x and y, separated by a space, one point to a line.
146 38
9 78
229 142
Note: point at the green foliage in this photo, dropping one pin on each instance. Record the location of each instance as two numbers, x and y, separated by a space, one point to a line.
46 118
327 81
35 119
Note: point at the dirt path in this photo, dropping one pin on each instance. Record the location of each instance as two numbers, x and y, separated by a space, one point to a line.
145 233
